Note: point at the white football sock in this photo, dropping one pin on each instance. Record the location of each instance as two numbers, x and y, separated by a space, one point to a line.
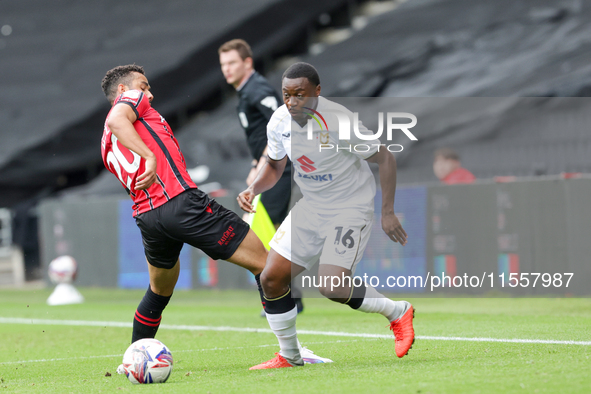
374 302
284 327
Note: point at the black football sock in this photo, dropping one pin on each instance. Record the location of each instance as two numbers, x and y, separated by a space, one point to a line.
357 296
279 305
296 294
148 315
257 277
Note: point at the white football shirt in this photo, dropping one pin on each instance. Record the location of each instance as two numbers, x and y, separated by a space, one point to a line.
331 173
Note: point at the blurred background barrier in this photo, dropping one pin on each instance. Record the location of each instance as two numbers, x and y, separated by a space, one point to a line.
102 236
12 266
538 225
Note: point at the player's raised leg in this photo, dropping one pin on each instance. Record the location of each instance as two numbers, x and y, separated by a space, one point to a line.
367 299
252 255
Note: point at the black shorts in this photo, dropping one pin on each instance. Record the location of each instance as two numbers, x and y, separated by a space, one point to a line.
276 199
192 218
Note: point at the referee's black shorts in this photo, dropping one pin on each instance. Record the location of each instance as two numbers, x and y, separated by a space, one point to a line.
276 199
192 218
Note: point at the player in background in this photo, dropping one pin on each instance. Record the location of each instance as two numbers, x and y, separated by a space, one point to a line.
333 220
139 148
257 102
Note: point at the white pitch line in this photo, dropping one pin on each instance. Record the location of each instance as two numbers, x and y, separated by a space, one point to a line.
508 340
43 360
17 320
121 355
175 352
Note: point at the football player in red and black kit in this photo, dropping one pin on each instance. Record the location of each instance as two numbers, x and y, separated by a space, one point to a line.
139 148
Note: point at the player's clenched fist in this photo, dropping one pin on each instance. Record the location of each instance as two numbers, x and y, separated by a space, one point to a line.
245 200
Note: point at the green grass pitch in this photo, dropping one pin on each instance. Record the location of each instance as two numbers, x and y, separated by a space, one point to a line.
48 358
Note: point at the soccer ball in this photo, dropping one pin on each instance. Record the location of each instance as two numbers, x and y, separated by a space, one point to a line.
63 270
147 361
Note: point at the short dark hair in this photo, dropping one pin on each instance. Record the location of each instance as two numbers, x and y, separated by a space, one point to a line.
117 75
446 153
239 45
302 70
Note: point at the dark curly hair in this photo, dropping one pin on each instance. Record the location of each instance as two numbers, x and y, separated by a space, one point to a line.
302 70
117 75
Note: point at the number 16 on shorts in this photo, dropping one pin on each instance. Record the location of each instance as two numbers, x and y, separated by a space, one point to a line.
345 240
346 248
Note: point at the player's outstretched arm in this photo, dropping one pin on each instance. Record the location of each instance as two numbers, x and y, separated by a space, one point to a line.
120 123
390 223
257 167
266 179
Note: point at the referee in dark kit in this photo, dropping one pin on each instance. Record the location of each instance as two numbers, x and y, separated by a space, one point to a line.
257 102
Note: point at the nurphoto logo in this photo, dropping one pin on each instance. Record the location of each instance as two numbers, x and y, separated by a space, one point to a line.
344 129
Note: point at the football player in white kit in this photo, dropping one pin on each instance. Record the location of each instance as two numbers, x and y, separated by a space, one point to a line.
332 222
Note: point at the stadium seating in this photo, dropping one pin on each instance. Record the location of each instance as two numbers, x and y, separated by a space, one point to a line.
504 49
55 55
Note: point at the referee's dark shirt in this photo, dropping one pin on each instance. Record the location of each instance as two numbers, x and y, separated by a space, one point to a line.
258 101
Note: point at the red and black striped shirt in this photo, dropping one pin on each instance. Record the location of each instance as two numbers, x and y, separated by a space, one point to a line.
153 129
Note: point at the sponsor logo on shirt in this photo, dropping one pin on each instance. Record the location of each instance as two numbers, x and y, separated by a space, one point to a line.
319 178
306 164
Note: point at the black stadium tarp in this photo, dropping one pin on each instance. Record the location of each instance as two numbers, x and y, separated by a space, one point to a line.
466 48
451 48
423 48
52 109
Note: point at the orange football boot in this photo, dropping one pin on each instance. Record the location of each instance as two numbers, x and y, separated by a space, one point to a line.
404 332
277 362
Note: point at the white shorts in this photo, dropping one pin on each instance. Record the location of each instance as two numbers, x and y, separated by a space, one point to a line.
338 238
